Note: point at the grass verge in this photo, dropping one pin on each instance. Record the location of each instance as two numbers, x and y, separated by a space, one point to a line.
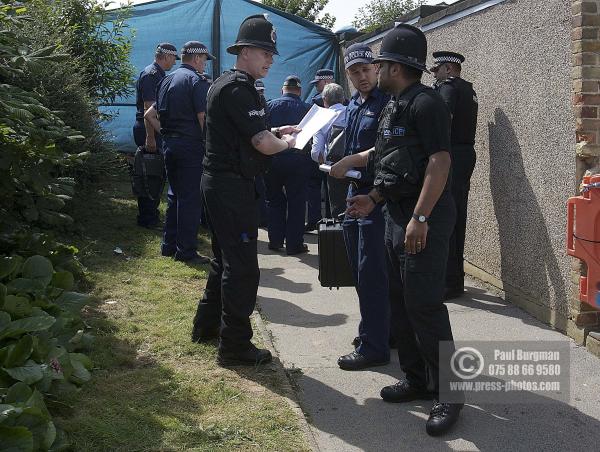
152 388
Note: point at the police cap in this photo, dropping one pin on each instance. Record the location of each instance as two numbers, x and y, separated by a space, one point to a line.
446 57
255 31
358 53
323 74
406 45
196 48
292 81
167 49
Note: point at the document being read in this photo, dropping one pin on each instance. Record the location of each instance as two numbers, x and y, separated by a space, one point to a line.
316 118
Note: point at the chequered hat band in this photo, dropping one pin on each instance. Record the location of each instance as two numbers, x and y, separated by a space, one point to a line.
324 77
160 49
447 59
195 50
364 54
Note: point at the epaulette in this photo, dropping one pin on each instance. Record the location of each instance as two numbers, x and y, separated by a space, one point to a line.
152 71
241 77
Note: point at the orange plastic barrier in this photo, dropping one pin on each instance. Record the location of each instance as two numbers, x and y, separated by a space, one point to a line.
583 237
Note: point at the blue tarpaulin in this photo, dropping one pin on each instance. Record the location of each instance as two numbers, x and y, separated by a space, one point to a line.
303 46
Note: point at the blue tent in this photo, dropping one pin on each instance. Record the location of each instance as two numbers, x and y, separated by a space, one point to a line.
303 46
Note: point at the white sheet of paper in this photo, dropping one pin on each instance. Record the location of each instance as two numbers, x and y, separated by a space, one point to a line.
316 118
326 167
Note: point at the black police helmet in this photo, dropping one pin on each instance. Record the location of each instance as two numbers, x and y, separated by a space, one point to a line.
406 45
255 31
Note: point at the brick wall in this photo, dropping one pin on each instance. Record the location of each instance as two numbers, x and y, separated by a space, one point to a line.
585 37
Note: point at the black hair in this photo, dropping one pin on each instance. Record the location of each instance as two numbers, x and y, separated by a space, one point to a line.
411 73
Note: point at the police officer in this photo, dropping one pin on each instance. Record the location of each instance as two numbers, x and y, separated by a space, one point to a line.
461 99
322 78
411 164
181 105
318 179
237 146
364 236
145 95
288 175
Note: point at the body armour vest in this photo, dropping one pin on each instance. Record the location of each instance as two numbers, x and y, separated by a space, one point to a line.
239 156
398 163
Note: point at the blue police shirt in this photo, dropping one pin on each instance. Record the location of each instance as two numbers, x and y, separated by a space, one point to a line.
286 110
180 97
362 120
318 99
145 87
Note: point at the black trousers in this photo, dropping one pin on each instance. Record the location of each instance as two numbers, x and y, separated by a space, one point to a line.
463 164
147 208
230 294
416 282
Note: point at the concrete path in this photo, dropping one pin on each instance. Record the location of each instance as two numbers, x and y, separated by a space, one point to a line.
312 326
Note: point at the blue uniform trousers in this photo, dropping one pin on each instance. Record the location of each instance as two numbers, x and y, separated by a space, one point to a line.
419 317
313 197
147 208
286 183
366 252
183 163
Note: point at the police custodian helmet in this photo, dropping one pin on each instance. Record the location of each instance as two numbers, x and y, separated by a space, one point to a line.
255 31
406 45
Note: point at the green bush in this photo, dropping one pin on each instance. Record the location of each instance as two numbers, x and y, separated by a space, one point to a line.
41 339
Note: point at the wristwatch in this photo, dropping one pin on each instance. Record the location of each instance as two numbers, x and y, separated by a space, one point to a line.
420 218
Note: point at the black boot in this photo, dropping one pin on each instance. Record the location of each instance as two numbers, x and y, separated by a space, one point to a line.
356 361
204 334
250 357
442 417
403 391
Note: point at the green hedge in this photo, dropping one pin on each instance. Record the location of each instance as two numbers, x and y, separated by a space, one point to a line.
44 100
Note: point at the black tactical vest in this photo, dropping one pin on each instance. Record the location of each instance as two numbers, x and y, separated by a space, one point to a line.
398 162
242 158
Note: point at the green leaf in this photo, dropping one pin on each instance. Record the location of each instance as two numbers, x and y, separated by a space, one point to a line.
81 365
24 285
3 292
8 411
36 421
17 307
19 352
51 202
30 214
28 373
27 325
8 265
36 400
18 393
16 439
38 268
63 280
72 301
4 320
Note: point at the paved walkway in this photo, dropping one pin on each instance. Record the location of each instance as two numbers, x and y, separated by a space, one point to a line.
312 326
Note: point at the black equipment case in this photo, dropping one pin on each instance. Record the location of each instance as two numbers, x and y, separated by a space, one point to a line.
334 268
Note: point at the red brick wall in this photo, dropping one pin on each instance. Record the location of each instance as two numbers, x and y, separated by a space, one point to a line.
585 36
